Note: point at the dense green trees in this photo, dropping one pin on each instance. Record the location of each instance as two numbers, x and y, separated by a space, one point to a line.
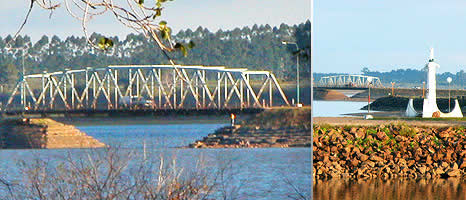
258 47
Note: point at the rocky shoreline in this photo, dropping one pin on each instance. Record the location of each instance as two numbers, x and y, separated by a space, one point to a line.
390 103
352 148
272 128
257 137
389 151
43 133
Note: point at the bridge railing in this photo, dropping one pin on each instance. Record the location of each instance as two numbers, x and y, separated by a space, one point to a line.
154 86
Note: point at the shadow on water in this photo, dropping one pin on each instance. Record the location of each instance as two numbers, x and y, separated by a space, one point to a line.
452 188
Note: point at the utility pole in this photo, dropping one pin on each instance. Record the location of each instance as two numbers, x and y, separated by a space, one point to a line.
369 96
423 89
393 88
369 100
449 81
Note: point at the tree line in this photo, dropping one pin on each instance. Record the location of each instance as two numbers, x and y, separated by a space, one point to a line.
258 48
412 77
415 76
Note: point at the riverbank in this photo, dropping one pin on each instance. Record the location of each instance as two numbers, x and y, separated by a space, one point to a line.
394 149
279 127
142 120
43 133
350 147
415 122
390 103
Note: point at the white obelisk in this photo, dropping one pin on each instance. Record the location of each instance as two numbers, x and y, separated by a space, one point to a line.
430 103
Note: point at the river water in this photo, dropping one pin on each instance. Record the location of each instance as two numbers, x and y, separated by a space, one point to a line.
269 173
263 172
336 108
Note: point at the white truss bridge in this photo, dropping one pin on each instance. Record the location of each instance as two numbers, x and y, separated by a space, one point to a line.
161 87
349 81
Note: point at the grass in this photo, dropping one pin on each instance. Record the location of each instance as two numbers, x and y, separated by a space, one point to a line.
407 131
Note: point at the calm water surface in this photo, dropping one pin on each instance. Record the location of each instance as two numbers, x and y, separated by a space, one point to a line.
260 173
395 189
269 173
336 108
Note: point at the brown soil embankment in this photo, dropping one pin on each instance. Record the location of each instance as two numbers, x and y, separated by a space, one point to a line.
329 95
280 127
45 134
389 151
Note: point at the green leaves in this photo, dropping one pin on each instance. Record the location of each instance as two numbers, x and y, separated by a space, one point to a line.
158 12
191 44
140 2
162 23
165 31
105 43
183 48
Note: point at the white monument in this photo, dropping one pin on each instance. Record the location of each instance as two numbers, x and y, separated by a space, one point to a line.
410 111
430 108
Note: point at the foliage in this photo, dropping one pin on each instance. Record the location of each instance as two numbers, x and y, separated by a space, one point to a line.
113 173
256 47
416 76
408 76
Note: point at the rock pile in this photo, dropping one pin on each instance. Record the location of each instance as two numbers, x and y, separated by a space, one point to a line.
61 135
46 134
271 128
389 151
255 137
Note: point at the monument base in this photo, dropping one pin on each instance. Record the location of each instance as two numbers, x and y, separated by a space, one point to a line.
410 111
430 110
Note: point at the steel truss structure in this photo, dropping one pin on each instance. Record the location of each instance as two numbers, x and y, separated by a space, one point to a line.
357 81
163 86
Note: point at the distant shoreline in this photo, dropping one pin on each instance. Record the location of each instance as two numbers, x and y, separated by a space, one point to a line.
143 120
279 127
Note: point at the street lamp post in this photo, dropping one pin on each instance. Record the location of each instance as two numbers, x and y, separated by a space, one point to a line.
423 89
449 81
297 70
369 80
393 88
369 100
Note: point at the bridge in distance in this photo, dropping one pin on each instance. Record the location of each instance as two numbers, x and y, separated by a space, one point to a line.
348 82
349 85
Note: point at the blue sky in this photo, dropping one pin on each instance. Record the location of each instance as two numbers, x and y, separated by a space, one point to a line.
386 35
180 14
348 35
